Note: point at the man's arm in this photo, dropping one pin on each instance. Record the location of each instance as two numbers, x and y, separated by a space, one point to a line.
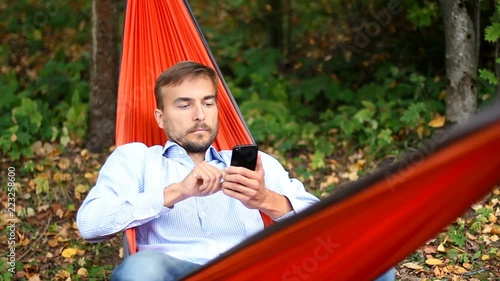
118 200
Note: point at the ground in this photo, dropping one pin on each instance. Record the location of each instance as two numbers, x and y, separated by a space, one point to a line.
52 183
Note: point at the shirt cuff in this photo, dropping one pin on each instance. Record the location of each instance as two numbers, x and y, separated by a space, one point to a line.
287 215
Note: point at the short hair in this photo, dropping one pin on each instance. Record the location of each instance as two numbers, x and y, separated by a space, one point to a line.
180 72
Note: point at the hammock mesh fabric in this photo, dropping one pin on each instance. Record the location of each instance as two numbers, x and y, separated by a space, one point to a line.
356 234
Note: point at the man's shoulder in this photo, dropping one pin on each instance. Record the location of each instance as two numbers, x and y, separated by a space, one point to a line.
137 149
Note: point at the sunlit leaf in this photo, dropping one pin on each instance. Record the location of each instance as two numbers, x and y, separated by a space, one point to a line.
433 261
412 265
437 122
69 252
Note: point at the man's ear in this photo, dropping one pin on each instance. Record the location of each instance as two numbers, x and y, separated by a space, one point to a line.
159 118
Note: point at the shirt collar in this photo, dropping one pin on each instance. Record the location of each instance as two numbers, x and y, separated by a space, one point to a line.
173 148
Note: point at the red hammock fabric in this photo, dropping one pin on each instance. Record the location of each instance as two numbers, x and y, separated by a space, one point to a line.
378 221
356 234
158 34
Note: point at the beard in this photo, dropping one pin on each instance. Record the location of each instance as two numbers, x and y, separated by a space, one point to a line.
196 146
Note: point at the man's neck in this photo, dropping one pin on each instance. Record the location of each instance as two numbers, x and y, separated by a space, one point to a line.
197 157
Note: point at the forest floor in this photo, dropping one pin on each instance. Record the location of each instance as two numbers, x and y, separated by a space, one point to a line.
52 184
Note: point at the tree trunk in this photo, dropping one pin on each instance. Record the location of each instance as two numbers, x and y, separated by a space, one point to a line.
274 24
104 75
461 60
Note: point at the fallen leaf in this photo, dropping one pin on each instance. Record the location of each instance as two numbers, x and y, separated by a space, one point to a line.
63 274
42 208
485 257
467 265
487 229
495 229
441 248
494 238
412 265
429 249
433 262
69 252
437 272
64 163
53 242
60 213
476 206
459 270
437 122
492 218
34 278
82 272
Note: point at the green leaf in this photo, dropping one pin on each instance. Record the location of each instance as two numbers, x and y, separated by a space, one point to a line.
385 136
364 115
492 32
457 235
488 76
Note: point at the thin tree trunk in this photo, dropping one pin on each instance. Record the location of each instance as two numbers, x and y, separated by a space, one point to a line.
104 75
461 61
274 22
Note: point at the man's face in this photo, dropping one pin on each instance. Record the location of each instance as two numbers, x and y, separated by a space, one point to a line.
189 115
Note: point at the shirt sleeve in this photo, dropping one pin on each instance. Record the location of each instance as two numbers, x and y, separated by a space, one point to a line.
277 179
118 200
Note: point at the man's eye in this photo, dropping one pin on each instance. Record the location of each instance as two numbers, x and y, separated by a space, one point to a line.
183 106
209 104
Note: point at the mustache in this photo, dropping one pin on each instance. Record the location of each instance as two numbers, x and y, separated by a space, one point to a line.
202 126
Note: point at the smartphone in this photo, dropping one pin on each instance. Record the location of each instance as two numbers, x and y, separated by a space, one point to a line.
245 156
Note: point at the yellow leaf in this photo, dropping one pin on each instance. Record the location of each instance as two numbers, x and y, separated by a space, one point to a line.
485 257
412 265
69 252
64 163
494 238
459 270
487 229
492 218
441 248
467 265
433 262
437 122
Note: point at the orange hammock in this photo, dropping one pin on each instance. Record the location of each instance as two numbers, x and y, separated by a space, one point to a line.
356 234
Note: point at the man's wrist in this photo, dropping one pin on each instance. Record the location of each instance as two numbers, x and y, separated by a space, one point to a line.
277 206
172 194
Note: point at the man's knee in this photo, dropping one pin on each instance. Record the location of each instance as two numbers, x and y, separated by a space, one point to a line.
151 265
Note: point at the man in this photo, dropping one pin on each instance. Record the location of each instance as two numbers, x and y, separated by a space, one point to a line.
187 204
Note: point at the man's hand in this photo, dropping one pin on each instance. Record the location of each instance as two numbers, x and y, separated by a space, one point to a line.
203 180
249 188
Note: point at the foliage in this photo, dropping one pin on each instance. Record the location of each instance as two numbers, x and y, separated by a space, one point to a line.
492 35
45 82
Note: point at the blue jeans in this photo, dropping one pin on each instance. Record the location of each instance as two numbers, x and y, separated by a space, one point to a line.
152 266
388 276
156 266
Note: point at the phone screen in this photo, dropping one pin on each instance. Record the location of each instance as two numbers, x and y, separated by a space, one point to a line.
245 156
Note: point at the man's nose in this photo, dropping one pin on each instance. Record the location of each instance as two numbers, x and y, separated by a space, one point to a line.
199 115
